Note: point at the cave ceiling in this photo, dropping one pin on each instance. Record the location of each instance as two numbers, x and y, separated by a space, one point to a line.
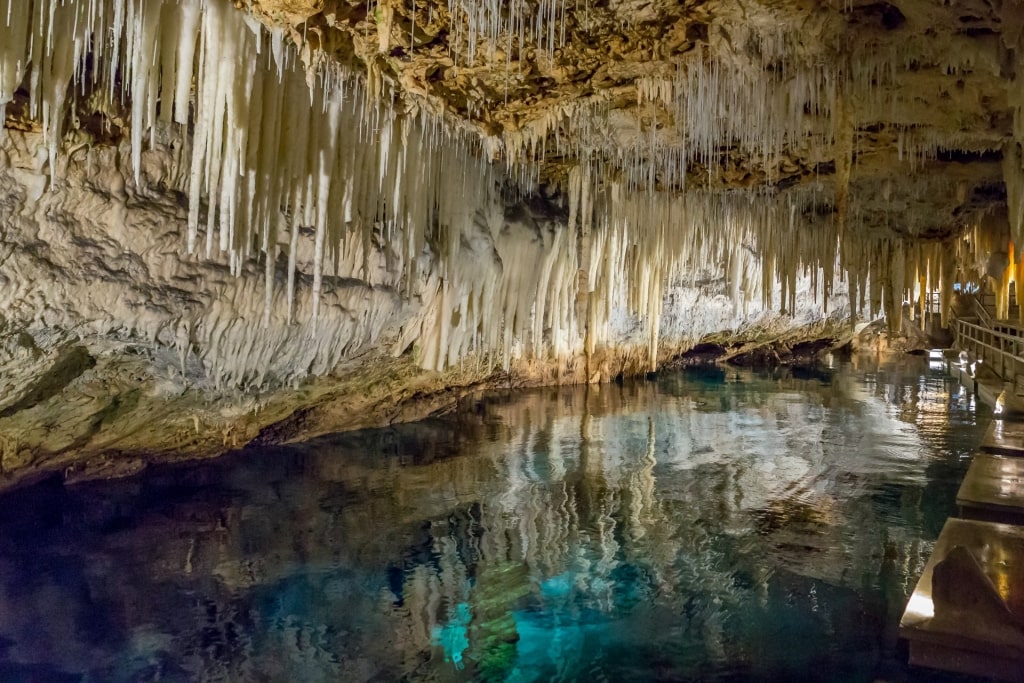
903 108
893 115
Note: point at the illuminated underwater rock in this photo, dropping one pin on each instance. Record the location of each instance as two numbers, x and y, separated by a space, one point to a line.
454 636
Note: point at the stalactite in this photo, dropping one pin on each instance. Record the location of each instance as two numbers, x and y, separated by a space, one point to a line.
521 23
844 159
281 148
15 16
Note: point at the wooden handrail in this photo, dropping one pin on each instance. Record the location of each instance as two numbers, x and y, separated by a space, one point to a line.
1000 351
982 312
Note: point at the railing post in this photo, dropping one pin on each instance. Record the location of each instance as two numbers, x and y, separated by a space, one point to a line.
1002 356
998 344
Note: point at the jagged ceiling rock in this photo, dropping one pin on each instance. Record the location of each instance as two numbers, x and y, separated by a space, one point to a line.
914 84
849 96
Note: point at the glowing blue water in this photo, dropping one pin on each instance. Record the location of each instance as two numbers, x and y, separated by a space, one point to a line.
709 525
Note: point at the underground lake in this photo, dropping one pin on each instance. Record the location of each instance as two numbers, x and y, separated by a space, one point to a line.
710 523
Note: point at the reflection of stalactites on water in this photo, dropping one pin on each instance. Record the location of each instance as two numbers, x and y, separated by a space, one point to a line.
601 528
221 649
435 580
422 600
641 489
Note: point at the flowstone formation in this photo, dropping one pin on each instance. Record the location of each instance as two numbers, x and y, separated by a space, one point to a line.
285 217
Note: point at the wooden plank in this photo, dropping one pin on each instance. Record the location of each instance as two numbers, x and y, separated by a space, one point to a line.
1004 437
994 486
968 606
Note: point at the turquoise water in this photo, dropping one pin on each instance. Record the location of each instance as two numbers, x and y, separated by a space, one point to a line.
713 524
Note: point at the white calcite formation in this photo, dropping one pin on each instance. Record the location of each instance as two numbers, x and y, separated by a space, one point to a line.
266 148
179 177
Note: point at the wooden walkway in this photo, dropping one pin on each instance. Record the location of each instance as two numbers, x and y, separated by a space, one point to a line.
967 612
1004 437
993 489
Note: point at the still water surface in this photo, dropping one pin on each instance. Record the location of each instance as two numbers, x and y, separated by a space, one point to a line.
714 524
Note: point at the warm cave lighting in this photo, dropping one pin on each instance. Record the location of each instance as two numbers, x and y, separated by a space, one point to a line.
1009 480
921 606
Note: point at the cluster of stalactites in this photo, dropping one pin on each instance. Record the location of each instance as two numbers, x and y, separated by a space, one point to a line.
760 243
635 245
989 258
689 121
1013 176
273 148
717 105
914 279
507 26
688 118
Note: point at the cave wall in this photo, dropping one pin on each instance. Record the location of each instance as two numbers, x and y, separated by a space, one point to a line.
118 348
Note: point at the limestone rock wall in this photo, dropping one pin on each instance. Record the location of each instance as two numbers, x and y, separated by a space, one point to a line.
117 347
